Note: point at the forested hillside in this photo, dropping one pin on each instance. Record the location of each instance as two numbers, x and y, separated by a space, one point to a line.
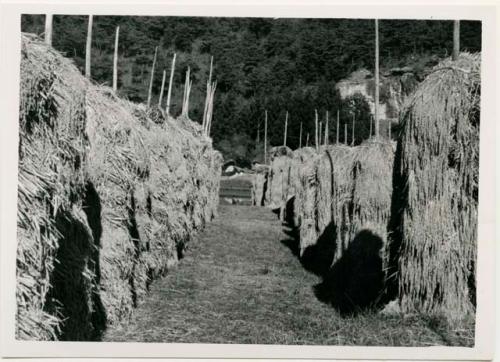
259 63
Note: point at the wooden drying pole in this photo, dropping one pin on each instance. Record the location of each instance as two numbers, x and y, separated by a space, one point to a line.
286 127
187 90
456 39
300 136
115 61
345 133
353 124
337 134
320 133
265 137
213 87
207 99
169 94
162 88
48 29
326 129
150 91
88 47
316 129
376 79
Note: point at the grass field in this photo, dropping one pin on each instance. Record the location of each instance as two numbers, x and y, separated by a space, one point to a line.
240 283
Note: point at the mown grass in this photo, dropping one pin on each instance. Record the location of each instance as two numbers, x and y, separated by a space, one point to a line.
239 284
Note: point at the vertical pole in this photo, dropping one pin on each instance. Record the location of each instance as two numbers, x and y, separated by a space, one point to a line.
307 140
88 47
353 124
345 133
169 94
316 129
337 134
115 61
326 129
320 133
286 127
300 136
162 88
265 137
371 121
376 79
48 29
456 39
150 91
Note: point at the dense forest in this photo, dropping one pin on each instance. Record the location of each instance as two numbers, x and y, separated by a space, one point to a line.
259 64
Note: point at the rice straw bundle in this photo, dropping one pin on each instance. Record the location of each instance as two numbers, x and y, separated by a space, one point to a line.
436 188
109 195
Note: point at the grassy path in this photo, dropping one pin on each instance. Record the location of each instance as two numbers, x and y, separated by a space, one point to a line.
240 283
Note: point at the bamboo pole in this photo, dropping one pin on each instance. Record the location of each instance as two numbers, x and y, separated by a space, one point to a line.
48 29
211 107
265 137
326 129
316 129
300 136
286 128
162 87
88 47
187 90
209 85
376 79
345 133
456 39
353 124
115 61
320 133
337 134
169 94
150 91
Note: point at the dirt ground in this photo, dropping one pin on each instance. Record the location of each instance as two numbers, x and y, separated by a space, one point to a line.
240 283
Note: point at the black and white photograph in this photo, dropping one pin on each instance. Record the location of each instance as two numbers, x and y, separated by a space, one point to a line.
248 180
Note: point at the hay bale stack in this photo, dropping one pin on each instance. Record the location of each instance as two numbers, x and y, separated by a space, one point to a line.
52 158
301 156
259 187
118 192
334 191
279 177
436 191
307 201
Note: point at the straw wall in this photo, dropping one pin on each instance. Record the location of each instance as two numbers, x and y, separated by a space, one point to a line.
109 195
435 212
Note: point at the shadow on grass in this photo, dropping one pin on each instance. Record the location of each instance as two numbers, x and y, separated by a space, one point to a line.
352 284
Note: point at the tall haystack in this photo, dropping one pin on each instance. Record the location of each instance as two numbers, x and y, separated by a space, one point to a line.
436 191
120 194
259 186
51 195
301 156
345 236
278 177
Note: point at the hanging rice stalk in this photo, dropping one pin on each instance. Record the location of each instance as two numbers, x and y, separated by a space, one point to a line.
436 189
108 197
